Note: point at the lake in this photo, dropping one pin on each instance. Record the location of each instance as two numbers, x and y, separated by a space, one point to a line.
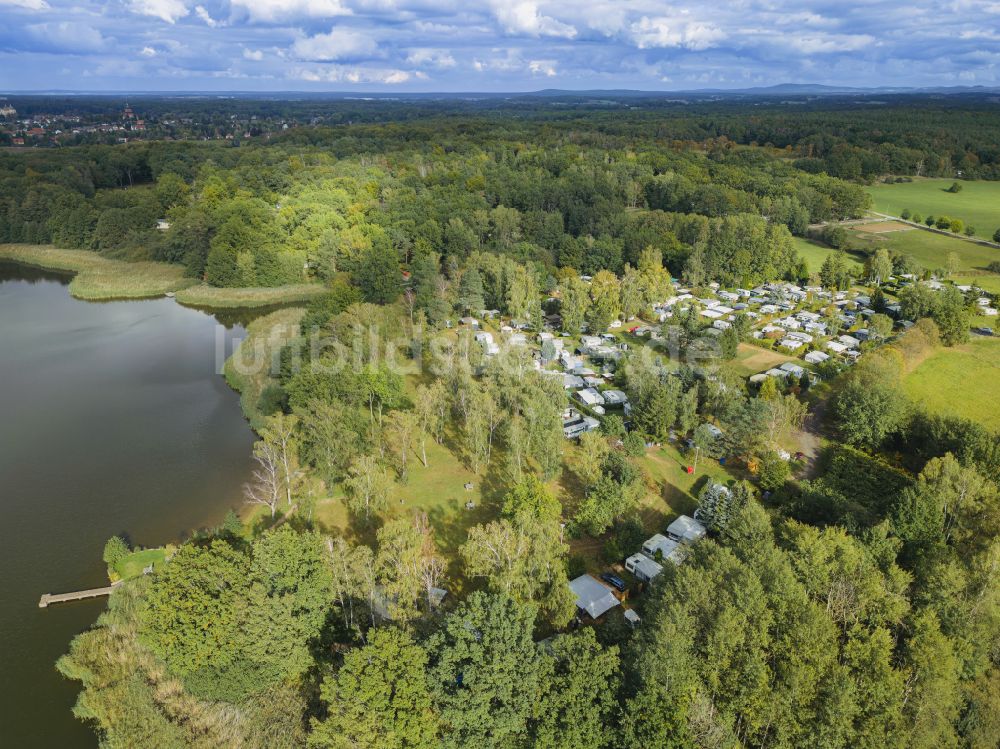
113 419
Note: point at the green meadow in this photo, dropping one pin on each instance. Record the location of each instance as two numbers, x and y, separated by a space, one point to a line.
978 203
963 380
814 253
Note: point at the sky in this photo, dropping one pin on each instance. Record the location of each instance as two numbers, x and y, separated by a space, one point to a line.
492 45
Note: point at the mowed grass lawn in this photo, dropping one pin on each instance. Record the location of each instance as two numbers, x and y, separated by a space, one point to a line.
963 380
978 203
137 561
931 250
752 359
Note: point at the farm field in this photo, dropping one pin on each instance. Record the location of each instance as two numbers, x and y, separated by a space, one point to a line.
978 203
931 251
964 380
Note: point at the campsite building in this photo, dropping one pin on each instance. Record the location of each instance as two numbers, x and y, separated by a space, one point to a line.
592 596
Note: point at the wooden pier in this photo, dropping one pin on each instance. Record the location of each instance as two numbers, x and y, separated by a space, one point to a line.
79 595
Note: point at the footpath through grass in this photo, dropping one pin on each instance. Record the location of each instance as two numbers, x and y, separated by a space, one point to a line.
978 203
99 278
962 380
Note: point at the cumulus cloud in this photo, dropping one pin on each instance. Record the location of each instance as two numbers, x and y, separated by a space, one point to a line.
514 44
204 15
542 67
339 44
147 52
669 32
166 10
523 17
271 11
825 43
26 4
344 74
66 37
434 58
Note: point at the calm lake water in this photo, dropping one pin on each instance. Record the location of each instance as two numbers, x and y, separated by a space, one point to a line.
112 420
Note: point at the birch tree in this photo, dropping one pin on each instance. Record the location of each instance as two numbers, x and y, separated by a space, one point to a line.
280 431
266 487
368 485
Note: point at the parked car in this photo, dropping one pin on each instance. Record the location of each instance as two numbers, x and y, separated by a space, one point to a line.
614 581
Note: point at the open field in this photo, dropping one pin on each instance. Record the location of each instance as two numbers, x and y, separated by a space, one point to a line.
99 278
752 359
931 250
963 380
978 203
213 297
815 253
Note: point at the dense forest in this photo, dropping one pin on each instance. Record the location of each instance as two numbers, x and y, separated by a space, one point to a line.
853 602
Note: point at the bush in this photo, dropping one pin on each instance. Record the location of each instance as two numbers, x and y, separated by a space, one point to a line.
835 236
905 215
576 565
626 537
613 426
773 472
916 218
273 399
955 187
970 231
635 445
115 550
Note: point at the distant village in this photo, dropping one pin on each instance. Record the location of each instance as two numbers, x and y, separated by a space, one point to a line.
46 130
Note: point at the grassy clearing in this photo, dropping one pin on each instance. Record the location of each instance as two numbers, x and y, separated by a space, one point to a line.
752 359
249 370
437 490
676 489
814 253
978 203
931 251
99 278
202 295
137 561
963 380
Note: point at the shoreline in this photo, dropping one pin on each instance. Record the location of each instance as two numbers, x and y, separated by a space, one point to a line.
101 279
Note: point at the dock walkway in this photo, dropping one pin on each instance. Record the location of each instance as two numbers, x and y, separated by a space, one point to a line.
79 595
